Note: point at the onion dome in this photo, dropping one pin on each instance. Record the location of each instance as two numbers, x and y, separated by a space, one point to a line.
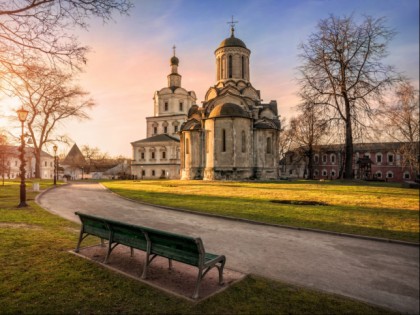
174 61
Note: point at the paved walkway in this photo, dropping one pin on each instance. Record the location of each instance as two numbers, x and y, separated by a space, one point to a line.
381 273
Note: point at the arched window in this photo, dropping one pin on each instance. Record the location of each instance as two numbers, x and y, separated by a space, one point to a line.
223 140
243 141
269 149
243 67
223 65
389 174
187 146
406 175
230 66
163 155
218 68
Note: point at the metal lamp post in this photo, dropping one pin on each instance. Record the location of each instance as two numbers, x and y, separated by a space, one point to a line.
55 164
22 114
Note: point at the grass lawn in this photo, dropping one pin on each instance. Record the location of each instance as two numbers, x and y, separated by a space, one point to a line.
374 209
39 276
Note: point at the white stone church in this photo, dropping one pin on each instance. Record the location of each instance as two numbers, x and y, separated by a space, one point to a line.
158 156
232 136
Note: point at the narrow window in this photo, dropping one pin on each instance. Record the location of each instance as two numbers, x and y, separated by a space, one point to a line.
153 172
142 155
243 67
45 163
390 158
406 175
154 130
230 66
166 106
175 128
187 146
223 140
163 155
153 155
269 145
181 106
379 158
165 129
207 141
218 68
324 159
243 141
223 66
143 173
333 159
163 173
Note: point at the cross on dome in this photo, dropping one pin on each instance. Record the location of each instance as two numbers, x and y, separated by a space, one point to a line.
173 48
232 26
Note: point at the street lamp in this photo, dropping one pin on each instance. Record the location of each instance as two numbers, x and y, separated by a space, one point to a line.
22 114
55 164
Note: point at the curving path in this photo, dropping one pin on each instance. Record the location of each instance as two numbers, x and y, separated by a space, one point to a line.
384 274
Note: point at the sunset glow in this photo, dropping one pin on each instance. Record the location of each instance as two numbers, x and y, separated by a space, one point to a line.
130 57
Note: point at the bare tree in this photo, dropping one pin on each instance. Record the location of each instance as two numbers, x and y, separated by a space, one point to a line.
37 30
94 157
6 152
51 98
400 121
343 72
308 131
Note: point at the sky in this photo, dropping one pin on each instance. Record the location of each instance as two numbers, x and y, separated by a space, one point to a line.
130 56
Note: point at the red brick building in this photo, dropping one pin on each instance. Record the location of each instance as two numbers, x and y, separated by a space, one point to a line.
371 161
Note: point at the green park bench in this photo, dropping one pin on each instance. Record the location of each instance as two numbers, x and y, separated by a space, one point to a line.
181 248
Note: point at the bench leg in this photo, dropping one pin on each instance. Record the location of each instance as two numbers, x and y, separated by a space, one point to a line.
80 240
131 251
197 284
220 268
147 263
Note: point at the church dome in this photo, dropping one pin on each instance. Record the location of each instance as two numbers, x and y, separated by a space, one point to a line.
174 61
232 41
228 110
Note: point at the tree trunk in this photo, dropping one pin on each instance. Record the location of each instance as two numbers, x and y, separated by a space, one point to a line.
349 142
37 152
310 163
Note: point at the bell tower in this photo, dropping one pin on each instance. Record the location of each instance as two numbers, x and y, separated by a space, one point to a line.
174 79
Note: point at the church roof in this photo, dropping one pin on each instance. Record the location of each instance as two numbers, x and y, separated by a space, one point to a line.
232 41
228 110
157 138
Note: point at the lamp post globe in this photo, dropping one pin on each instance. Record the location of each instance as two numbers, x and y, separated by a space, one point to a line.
22 115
